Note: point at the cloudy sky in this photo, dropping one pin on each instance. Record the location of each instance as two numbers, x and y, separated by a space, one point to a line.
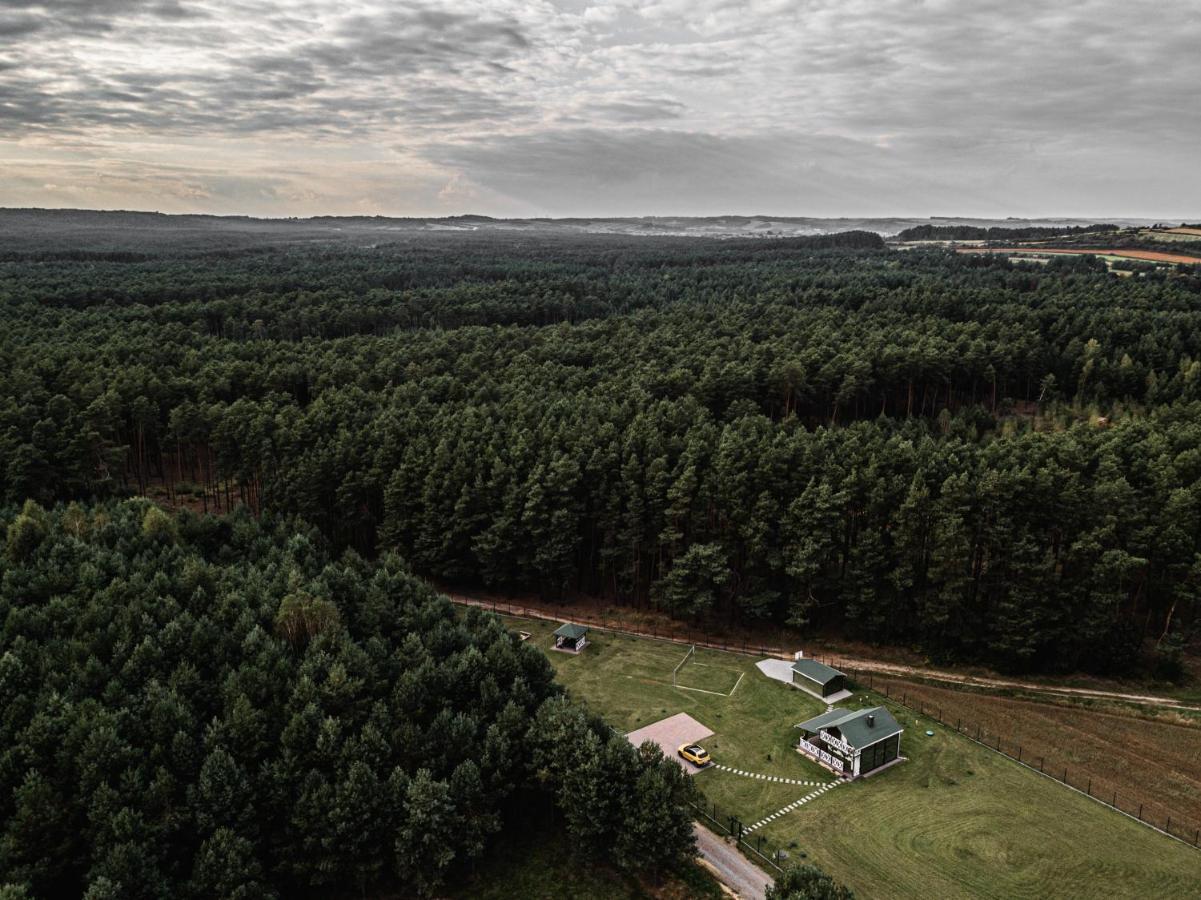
624 107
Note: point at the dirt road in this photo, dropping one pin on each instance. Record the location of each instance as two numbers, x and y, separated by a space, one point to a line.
733 869
870 665
901 671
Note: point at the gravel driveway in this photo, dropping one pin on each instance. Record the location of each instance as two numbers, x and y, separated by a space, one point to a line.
736 872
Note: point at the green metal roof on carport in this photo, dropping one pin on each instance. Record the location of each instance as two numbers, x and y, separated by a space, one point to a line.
571 632
815 671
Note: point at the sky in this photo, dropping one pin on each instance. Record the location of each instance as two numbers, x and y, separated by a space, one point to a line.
621 108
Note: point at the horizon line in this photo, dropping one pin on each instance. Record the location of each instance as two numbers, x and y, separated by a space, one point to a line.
611 217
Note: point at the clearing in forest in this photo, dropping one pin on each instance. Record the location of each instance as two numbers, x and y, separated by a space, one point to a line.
954 820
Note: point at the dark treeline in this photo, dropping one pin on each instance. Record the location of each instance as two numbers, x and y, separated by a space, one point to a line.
995 232
897 444
195 707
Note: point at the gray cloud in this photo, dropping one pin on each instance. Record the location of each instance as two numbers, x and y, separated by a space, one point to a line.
633 109
689 173
561 106
20 26
348 74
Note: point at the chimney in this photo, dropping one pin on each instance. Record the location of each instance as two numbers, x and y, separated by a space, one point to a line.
871 721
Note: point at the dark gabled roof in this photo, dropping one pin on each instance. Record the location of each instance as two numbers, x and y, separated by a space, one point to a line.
819 722
815 671
852 725
571 632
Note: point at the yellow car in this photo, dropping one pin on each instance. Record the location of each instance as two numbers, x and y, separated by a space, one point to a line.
695 754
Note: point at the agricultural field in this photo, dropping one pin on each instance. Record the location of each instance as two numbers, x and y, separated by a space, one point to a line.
1118 253
1105 748
954 820
1172 234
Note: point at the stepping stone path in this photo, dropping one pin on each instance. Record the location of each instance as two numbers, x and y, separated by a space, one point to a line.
791 806
768 777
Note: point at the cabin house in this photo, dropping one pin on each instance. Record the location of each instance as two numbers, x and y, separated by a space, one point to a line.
852 743
571 638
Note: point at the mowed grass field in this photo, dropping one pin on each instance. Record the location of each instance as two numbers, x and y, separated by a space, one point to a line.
955 820
1106 747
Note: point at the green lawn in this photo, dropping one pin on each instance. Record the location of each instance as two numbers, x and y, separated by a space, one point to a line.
955 820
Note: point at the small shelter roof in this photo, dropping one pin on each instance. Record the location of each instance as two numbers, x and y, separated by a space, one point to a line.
571 632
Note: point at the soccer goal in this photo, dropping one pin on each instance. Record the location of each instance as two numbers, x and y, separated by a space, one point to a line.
675 673
706 672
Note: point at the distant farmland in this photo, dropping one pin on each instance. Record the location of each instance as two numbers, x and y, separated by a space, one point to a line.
1146 255
1173 235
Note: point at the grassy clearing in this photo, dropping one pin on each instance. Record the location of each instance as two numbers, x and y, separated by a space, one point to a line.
1105 744
709 670
628 681
956 820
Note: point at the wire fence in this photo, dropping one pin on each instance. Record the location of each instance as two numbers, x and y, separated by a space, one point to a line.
676 633
1100 789
756 847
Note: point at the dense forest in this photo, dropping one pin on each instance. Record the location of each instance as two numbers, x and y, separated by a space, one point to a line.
193 706
996 232
996 462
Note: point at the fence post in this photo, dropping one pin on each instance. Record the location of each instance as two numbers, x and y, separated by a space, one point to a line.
1065 774
1090 787
1115 800
1140 812
1041 760
1019 752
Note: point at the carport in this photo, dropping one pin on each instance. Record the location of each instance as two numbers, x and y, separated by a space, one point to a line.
817 678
